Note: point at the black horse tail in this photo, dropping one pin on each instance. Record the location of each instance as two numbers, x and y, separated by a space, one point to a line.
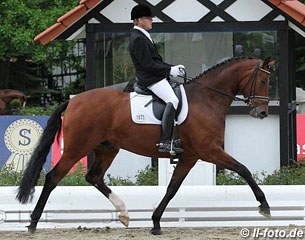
32 172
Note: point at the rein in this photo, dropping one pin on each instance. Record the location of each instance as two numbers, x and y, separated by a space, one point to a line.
247 100
189 79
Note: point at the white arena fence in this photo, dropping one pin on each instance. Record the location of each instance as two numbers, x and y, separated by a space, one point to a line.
193 206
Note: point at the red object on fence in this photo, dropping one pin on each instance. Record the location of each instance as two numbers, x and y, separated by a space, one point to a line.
300 136
57 150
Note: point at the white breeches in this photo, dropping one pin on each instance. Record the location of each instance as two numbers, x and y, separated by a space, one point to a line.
164 91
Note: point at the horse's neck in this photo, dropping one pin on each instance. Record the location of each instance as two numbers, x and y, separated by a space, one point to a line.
216 88
207 99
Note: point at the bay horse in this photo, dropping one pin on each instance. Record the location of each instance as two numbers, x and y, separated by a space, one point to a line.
100 120
7 95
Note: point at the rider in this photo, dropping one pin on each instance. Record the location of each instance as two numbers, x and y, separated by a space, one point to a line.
153 73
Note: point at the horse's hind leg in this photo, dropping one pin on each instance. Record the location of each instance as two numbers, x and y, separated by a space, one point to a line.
226 161
182 169
51 181
104 155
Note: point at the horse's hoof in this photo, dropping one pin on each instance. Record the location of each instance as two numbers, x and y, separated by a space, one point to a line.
31 229
265 211
124 220
155 231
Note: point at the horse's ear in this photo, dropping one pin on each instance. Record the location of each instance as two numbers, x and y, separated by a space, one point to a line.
269 64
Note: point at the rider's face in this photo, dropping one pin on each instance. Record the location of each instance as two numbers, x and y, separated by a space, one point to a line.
145 23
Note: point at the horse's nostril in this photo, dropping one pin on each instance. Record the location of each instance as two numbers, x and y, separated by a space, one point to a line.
264 114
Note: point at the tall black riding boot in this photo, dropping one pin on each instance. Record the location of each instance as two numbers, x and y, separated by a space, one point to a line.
166 144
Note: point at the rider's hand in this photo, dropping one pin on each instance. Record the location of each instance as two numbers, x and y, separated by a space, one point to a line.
178 70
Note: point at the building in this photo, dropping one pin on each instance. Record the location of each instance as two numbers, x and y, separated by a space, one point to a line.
198 33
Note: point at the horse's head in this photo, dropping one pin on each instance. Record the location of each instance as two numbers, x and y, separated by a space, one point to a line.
254 87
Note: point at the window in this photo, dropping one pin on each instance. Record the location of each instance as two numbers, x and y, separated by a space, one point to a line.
196 50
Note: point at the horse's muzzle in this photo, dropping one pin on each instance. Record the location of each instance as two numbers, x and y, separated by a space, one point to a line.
259 112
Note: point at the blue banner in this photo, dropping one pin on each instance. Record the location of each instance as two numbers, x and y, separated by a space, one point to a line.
19 137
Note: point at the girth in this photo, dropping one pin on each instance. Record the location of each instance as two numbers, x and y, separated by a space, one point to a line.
158 104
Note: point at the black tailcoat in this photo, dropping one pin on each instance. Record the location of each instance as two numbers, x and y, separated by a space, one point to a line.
149 65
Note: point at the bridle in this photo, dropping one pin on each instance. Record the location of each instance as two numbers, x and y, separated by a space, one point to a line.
252 81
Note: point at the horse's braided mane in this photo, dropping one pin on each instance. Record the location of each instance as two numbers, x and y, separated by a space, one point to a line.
217 66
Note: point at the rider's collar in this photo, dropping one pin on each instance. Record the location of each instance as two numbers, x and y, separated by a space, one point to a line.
145 33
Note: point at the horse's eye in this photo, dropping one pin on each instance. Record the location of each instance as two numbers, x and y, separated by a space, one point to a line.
263 81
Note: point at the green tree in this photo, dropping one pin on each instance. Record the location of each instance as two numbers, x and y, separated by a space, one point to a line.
20 56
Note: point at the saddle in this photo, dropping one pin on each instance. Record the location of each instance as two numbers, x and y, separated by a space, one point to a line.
158 105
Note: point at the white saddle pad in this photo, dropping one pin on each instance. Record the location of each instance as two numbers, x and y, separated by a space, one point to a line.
144 115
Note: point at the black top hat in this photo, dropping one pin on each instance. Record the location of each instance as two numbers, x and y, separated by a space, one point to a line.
139 11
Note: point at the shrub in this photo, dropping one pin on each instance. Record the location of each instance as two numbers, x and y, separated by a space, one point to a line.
147 177
38 111
293 174
119 181
226 177
15 104
10 177
75 178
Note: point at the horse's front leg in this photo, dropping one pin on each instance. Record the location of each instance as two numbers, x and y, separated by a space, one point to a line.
224 160
182 169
